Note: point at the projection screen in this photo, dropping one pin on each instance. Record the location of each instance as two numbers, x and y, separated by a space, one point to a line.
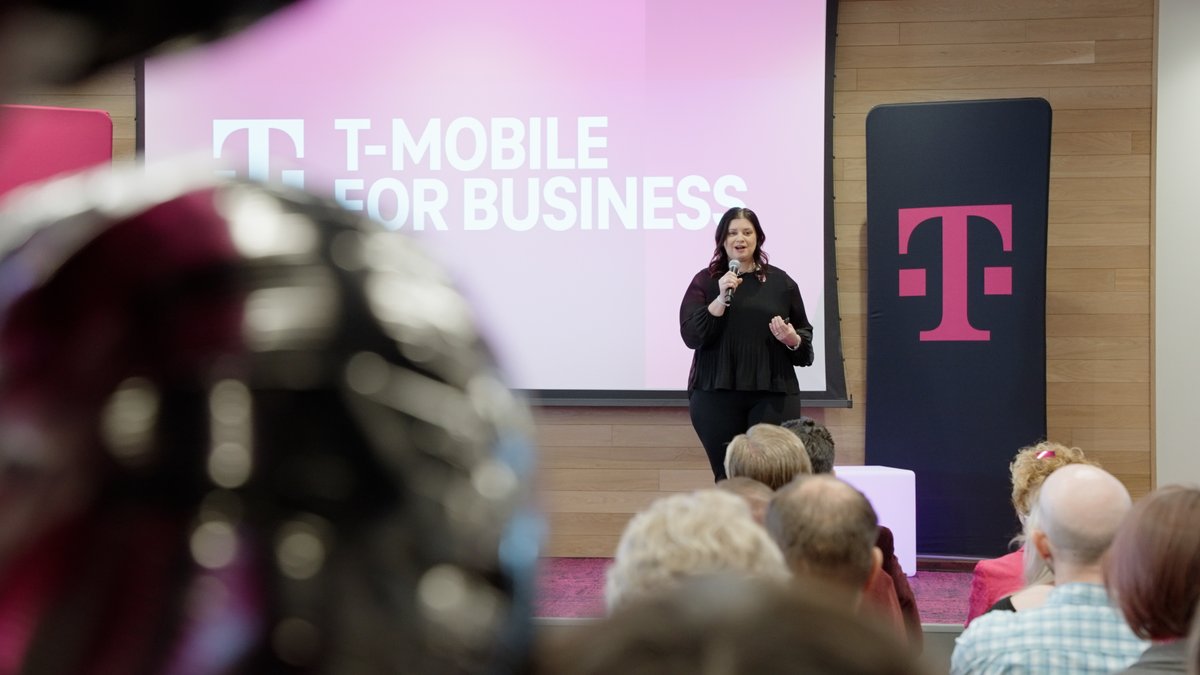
567 161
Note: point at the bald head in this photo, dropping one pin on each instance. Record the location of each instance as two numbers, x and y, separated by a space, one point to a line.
1079 509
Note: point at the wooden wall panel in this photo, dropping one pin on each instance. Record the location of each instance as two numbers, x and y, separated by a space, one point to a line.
1092 60
1098 321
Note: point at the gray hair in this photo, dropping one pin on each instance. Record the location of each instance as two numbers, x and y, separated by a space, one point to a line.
686 535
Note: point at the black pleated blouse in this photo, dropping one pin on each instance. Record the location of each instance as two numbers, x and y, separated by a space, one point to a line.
736 351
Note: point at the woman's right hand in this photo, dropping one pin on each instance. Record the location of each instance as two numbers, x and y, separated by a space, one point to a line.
729 280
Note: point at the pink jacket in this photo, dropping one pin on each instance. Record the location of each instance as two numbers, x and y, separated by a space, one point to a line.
994 579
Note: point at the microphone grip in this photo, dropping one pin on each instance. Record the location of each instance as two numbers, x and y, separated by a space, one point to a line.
733 267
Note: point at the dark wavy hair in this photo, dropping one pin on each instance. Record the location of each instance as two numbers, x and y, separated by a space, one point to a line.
720 260
818 442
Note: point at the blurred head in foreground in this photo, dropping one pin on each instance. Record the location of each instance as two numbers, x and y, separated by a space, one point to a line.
242 430
1153 568
730 625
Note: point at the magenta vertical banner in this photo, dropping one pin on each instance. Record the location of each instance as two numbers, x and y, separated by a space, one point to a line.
957 203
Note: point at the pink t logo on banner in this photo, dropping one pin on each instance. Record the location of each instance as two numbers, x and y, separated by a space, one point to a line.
955 325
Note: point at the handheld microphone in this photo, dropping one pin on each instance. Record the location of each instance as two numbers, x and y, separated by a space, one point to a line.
733 267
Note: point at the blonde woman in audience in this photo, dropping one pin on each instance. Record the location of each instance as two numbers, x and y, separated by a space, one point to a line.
686 535
1153 574
768 453
997 578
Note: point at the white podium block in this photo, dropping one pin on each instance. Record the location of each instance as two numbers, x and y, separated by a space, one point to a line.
893 494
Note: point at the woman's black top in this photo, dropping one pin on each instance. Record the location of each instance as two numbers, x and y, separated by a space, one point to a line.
736 351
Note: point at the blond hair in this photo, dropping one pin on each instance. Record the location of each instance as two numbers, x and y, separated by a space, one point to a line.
768 453
1033 464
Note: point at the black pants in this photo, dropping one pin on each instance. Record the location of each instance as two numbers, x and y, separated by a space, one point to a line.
718 416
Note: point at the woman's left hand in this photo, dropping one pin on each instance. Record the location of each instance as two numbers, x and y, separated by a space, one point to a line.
783 331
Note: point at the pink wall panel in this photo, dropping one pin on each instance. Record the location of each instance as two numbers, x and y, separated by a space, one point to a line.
37 142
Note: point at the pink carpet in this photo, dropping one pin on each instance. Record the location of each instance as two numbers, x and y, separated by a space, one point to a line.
574 588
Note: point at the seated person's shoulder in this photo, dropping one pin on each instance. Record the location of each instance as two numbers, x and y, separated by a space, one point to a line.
1004 604
992 623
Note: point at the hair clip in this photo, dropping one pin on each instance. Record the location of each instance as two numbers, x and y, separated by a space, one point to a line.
1045 454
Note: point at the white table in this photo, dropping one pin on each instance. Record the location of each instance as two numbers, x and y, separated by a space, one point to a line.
893 493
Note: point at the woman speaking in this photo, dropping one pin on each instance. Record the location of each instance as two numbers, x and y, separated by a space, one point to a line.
745 320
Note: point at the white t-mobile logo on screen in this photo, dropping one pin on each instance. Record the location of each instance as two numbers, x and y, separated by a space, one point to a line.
258 151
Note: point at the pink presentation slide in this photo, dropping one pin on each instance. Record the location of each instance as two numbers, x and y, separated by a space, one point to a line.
567 161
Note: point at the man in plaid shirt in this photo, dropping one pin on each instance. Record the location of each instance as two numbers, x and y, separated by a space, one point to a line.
1076 630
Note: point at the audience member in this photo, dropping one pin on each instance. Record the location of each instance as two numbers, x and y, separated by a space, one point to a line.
993 579
241 429
1039 579
1153 574
827 531
756 494
1194 643
818 442
1076 630
720 625
769 454
684 535
889 591
209 427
